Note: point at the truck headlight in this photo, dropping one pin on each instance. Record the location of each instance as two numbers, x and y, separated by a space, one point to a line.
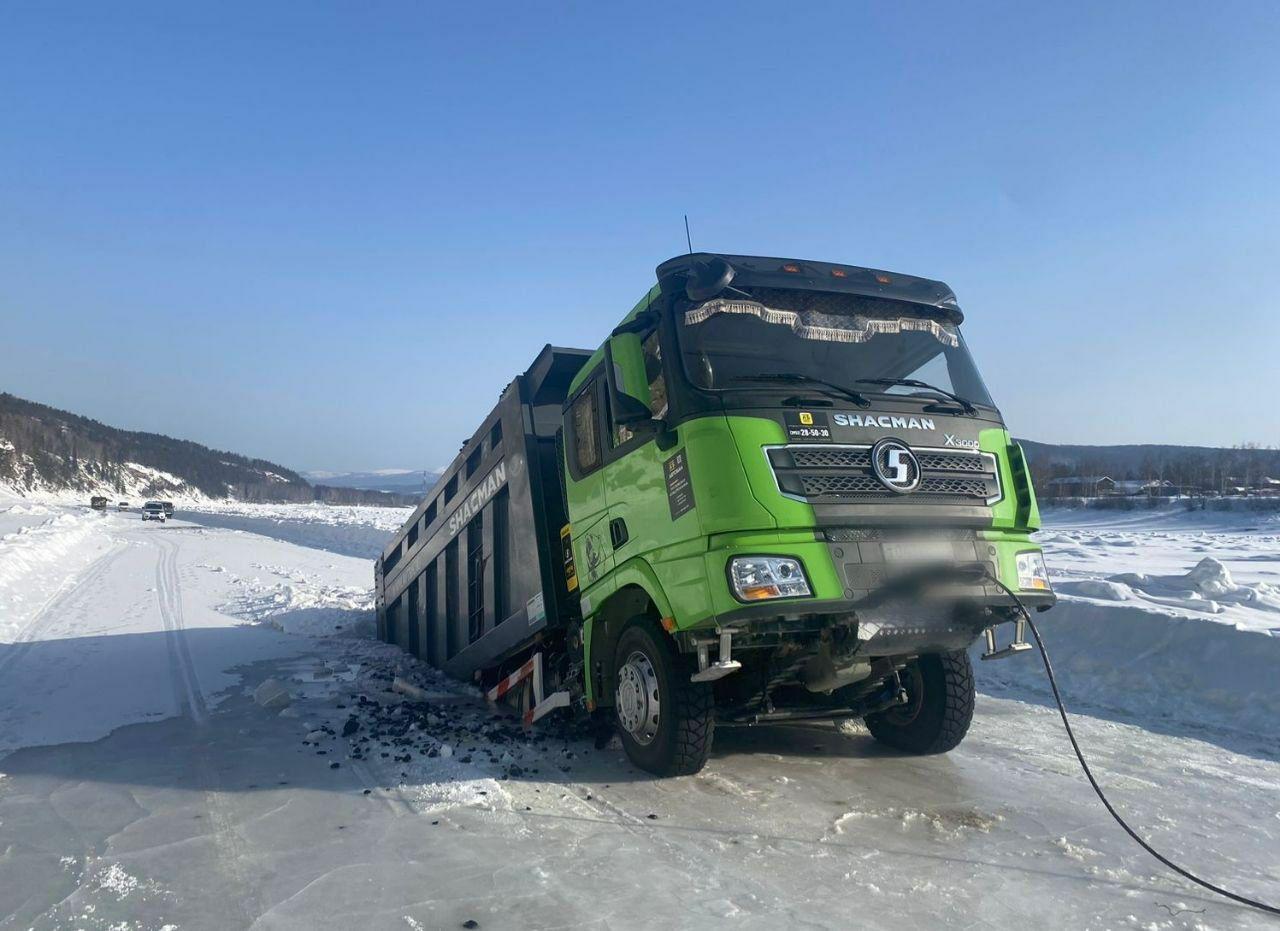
759 578
1032 573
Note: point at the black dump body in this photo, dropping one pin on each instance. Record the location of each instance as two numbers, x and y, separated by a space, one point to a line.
476 576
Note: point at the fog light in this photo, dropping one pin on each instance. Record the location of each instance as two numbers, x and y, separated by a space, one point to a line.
759 578
1032 573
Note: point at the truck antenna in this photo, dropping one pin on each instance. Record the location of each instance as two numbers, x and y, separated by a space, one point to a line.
687 237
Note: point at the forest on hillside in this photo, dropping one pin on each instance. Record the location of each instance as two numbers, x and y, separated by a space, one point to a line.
1195 470
43 447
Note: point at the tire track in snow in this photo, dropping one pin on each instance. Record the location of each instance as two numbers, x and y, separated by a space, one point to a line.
233 851
79 592
72 587
186 685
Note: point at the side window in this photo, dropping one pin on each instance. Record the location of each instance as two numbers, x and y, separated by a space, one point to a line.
586 436
657 389
620 432
653 372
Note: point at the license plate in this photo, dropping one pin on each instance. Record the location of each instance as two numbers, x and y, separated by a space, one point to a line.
920 551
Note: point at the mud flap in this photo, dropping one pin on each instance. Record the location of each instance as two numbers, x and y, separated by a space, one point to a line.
540 705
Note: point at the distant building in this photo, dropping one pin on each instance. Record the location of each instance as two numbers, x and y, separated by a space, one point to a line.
1079 486
1151 488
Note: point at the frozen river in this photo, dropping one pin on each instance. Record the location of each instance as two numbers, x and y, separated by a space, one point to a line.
144 788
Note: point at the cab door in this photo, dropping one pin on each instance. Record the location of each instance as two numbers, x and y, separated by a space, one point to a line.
640 471
585 480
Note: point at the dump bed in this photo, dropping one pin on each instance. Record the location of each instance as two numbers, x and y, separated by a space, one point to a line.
475 576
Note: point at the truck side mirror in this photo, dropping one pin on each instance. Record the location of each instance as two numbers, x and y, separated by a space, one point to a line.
624 375
640 324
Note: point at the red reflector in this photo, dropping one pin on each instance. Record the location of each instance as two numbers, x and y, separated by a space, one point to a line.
791 268
839 273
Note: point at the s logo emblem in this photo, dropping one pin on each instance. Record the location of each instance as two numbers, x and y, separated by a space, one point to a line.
896 466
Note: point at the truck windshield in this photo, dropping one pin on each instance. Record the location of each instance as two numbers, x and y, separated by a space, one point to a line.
727 344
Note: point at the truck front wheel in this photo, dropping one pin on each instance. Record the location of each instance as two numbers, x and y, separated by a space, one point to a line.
939 705
665 720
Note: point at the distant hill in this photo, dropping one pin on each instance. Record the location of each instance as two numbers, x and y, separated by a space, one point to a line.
43 448
398 481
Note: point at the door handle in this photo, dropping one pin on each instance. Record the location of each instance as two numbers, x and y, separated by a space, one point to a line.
618 532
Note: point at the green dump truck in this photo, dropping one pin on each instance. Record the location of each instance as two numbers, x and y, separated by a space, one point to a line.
778 492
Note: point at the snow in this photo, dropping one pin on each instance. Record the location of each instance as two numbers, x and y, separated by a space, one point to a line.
136 481
144 788
1184 637
350 530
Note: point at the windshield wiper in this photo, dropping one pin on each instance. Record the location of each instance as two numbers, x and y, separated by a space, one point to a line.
794 378
965 404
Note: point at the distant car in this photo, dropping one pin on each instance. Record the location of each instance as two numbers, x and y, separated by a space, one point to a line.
98 503
154 510
168 508
122 506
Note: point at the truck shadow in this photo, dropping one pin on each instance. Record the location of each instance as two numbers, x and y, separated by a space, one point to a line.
61 692
195 727
239 778
53 690
809 740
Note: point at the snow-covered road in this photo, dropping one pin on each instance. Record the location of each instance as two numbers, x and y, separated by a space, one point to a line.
145 788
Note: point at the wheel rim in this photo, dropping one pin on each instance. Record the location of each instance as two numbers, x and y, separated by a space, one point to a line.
637 699
913 682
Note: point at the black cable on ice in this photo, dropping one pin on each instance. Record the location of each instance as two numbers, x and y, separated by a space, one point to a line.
1062 711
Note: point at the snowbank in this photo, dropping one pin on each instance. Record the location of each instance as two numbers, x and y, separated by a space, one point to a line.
37 542
1163 615
302 603
1207 588
1125 657
47 539
349 530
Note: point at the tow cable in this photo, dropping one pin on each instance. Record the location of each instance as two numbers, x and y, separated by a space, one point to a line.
1062 711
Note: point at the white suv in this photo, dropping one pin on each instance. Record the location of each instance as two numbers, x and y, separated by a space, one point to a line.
154 510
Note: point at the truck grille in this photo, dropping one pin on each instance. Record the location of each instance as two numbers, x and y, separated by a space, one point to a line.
842 474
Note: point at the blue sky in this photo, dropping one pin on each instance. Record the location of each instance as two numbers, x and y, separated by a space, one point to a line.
329 234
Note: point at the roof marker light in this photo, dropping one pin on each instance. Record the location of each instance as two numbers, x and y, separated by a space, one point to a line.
839 273
791 268
883 279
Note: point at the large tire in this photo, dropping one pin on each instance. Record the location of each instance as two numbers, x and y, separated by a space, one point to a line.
673 736
939 706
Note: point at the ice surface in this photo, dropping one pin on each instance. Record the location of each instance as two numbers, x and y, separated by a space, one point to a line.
144 788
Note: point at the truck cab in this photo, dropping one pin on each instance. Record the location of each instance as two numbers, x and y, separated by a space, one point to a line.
779 491
790 496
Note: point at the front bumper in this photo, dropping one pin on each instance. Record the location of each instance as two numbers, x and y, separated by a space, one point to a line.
851 579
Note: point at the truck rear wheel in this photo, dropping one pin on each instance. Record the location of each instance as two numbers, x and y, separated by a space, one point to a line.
666 721
939 706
